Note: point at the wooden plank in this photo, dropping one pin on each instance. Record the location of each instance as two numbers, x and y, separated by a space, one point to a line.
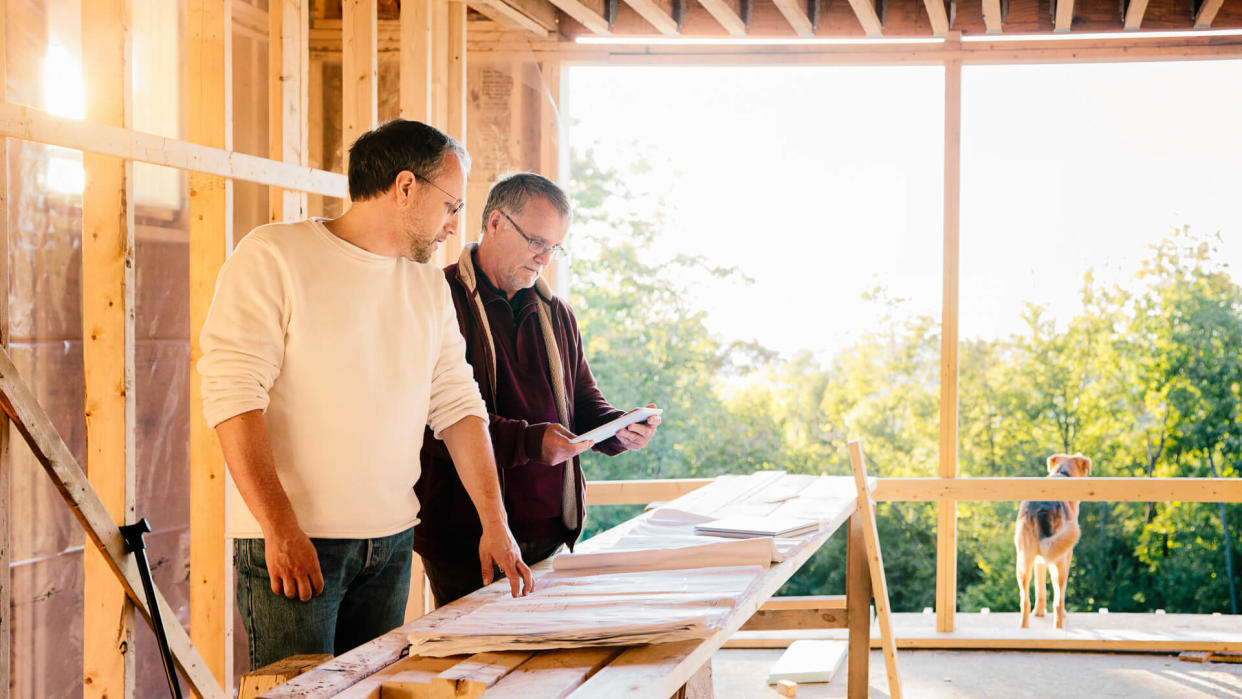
1086 489
108 343
727 12
1134 14
938 16
1207 13
590 16
864 10
641 492
359 69
438 116
256 682
552 675
410 678
1064 15
795 12
210 112
946 530
455 111
29 124
17 401
875 564
779 619
415 62
858 611
6 631
549 148
470 678
658 14
992 18
288 99
535 17
838 602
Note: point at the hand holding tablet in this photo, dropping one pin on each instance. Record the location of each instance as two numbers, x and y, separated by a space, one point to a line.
609 429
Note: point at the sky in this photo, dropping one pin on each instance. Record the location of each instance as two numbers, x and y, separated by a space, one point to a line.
824 183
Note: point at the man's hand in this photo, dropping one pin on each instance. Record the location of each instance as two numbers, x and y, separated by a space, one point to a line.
293 564
556 447
637 435
498 548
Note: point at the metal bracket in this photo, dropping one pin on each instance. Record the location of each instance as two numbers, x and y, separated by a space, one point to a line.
745 8
610 12
812 13
679 13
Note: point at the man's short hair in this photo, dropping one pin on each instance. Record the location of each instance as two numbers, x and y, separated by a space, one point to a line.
379 155
511 192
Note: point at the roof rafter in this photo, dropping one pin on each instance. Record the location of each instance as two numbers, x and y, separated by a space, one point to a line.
537 17
938 16
1064 15
1207 13
1135 9
867 17
733 15
993 18
659 13
796 13
592 14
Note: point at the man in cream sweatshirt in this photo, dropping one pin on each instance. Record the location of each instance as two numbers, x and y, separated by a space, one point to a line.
330 344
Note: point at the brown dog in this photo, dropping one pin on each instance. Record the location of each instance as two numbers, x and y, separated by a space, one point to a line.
1045 534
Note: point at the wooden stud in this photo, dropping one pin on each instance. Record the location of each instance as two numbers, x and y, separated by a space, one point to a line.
549 146
359 69
590 15
47 447
938 16
415 61
726 12
211 220
288 99
795 12
1207 13
108 343
858 610
455 111
6 639
1134 14
864 10
946 530
438 113
992 18
658 13
875 563
1085 489
29 124
1064 15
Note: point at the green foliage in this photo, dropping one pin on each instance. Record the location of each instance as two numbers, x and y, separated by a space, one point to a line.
1147 380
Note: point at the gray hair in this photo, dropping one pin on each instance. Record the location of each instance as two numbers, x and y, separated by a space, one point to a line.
511 192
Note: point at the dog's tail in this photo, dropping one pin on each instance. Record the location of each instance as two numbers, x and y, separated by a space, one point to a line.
1057 531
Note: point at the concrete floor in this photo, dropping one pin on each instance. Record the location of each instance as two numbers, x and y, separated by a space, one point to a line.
741 674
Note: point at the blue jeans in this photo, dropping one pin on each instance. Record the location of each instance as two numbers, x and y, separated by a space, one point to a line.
365 586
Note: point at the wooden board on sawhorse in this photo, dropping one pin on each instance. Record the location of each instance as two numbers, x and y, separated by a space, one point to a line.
875 561
45 443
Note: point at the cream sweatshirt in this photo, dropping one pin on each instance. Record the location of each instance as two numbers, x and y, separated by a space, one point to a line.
349 354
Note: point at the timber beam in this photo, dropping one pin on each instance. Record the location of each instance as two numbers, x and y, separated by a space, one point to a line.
535 17
733 15
664 15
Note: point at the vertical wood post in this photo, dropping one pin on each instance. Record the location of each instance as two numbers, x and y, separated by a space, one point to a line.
108 342
858 609
946 531
288 85
455 112
415 60
209 59
5 464
359 69
549 152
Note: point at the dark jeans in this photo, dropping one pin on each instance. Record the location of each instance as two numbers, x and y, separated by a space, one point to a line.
366 583
452 579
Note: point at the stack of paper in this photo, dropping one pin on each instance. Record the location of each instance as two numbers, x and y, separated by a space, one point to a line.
748 526
572 611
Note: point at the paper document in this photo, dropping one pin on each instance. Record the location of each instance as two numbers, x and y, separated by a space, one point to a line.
746 526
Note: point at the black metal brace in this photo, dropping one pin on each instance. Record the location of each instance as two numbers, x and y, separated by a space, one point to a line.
132 533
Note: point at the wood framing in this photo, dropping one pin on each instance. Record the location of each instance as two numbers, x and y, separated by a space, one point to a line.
19 404
359 69
1064 15
108 343
415 63
1134 14
1207 13
288 99
875 563
455 111
29 124
6 634
795 12
209 49
658 13
1086 489
536 17
992 17
728 13
938 16
858 608
946 530
864 10
641 492
590 13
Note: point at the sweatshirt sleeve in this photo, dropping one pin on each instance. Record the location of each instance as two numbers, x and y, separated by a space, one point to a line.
454 394
243 336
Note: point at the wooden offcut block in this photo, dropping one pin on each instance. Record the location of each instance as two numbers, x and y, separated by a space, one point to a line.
809 661
787 688
1195 656
410 678
256 682
1226 656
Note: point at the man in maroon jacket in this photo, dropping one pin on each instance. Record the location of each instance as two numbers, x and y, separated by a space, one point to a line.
524 346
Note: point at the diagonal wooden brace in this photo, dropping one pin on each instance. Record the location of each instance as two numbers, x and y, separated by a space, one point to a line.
29 418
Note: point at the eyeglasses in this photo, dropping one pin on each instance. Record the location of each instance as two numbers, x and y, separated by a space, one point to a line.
457 203
534 244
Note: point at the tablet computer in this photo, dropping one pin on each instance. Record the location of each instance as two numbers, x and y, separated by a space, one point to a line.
608 429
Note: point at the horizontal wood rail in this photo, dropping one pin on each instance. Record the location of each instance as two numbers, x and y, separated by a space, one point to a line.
29 124
642 492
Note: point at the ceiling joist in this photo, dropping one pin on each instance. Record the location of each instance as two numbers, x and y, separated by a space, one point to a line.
592 14
661 14
867 17
1207 13
992 18
1064 15
938 16
1135 10
535 17
733 15
795 12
